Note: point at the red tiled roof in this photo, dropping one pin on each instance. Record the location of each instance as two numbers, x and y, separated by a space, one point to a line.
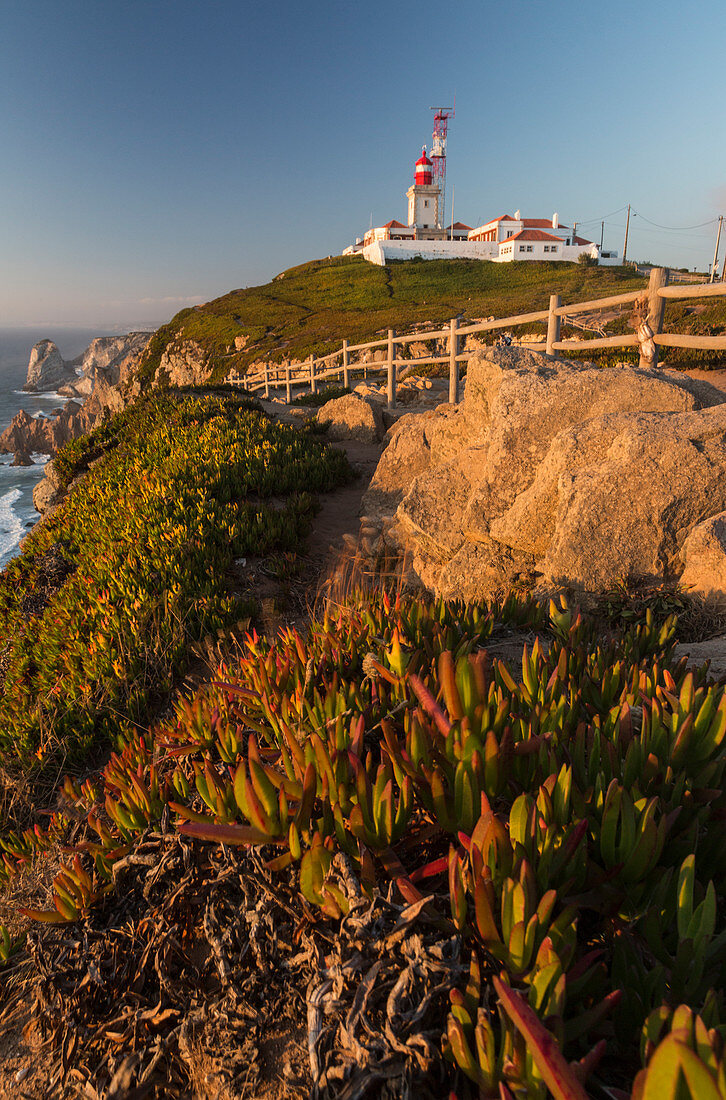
393 225
580 240
459 225
540 223
532 235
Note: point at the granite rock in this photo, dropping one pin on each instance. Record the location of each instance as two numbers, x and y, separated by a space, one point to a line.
556 471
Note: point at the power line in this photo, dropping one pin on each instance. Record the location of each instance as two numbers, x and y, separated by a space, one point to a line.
602 218
675 228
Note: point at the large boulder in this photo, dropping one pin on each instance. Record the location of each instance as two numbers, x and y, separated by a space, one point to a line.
555 470
351 417
47 369
48 492
704 554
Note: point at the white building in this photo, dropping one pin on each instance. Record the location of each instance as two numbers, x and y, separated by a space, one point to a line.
503 240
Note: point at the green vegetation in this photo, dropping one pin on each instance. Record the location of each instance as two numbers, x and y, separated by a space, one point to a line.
314 400
559 825
563 822
312 308
100 612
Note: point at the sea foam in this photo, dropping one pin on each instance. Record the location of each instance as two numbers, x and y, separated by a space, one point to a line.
11 522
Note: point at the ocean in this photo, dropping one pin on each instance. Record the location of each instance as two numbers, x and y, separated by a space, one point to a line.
17 514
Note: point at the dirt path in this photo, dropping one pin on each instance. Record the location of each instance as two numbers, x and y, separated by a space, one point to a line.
340 509
290 598
717 378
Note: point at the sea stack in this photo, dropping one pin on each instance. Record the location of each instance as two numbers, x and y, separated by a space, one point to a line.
47 369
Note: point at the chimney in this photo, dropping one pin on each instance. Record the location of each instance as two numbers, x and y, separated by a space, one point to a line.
555 221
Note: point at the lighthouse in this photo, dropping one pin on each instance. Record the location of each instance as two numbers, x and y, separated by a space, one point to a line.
423 172
424 196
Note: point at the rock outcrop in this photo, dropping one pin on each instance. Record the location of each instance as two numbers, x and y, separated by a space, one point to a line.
47 493
47 369
352 417
553 471
114 364
184 363
105 357
42 434
107 383
704 554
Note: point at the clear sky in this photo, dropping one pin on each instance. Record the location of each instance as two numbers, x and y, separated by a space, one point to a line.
157 153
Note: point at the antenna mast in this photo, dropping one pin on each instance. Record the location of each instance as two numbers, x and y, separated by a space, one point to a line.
438 153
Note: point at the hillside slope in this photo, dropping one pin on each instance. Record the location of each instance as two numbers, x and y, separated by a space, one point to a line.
311 308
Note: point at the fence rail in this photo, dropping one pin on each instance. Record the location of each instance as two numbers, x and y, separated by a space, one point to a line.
649 306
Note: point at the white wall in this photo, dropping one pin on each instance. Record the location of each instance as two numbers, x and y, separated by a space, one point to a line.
382 251
418 214
609 261
574 251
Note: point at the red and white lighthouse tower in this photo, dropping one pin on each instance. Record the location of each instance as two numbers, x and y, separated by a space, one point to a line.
424 195
424 170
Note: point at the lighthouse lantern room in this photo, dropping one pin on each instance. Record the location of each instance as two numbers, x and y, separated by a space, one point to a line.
424 169
424 196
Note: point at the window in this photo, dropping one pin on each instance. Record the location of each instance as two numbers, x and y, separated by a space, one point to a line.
546 248
529 247
554 248
509 233
426 202
521 248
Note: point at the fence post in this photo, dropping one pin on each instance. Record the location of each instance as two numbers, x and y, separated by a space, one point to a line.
346 370
267 381
288 386
453 365
313 380
553 323
656 309
391 370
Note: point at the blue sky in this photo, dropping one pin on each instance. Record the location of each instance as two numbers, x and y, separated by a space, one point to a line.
161 152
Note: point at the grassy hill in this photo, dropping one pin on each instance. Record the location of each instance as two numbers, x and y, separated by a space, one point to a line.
311 308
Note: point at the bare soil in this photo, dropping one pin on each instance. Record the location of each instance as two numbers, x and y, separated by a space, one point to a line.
717 378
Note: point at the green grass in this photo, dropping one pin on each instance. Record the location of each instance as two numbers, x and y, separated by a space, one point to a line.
311 308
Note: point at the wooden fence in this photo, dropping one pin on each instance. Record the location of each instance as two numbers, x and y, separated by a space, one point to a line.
649 307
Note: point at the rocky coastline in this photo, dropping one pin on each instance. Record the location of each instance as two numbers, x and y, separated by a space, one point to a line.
96 383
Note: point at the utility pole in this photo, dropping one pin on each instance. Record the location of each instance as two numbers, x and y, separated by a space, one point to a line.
715 251
627 227
602 233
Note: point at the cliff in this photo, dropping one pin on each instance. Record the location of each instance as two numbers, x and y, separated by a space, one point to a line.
105 385
42 434
108 356
47 369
